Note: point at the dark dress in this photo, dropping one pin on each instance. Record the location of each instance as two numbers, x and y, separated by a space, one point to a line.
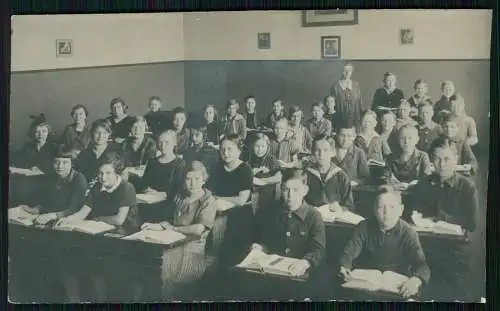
158 121
87 163
29 156
384 99
141 156
263 195
163 177
213 131
121 129
72 139
349 106
205 154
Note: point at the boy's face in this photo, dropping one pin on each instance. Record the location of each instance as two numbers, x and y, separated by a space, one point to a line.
138 129
444 161
404 110
229 151
277 108
368 123
155 105
62 166
100 136
457 107
448 89
346 137
323 151
251 104
421 89
296 118
390 81
209 114
194 181
450 129
293 192
232 110
107 175
260 148
347 72
166 143
317 112
117 110
179 120
388 122
330 103
408 138
197 136
79 115
425 114
388 211
280 129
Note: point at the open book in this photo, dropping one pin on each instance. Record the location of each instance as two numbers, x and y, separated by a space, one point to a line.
268 263
373 162
19 216
25 171
165 237
439 227
375 280
86 226
464 168
345 216
151 197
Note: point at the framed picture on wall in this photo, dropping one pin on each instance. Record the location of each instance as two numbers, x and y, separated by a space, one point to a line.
406 36
64 47
264 40
330 47
337 17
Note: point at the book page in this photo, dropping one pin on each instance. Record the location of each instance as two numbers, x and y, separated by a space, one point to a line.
392 281
327 214
20 216
151 197
442 227
92 227
349 217
251 261
364 279
165 237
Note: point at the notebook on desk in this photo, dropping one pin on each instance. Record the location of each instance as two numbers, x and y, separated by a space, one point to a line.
86 226
19 216
375 280
268 263
24 171
165 237
347 217
151 197
440 227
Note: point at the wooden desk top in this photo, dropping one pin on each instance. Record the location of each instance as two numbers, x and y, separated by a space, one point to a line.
269 275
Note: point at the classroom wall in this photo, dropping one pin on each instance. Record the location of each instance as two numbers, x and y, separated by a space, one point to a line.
438 34
303 82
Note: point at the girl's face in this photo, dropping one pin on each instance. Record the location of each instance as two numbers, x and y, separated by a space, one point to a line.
107 175
345 138
100 136
194 181
390 81
138 130
421 89
41 133
317 112
251 104
387 211
450 129
197 137
444 161
323 151
179 121
118 110
408 139
448 90
277 108
347 72
154 105
166 143
388 122
62 166
209 114
260 148
79 115
330 103
404 111
229 151
232 110
296 118
425 114
368 123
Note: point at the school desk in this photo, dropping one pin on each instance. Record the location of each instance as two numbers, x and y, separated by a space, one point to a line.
38 255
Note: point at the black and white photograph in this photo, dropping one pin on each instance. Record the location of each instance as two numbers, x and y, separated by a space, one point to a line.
169 159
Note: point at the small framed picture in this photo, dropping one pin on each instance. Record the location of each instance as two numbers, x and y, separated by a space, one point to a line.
406 36
330 47
321 18
64 47
264 40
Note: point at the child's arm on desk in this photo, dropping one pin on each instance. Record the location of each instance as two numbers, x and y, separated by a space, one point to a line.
354 246
116 220
239 200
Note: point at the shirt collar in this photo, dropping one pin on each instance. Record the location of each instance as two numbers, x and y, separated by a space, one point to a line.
451 181
424 126
346 84
67 179
375 134
301 212
115 186
389 91
395 229
334 169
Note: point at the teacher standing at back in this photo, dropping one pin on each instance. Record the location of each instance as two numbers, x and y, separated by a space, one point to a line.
348 100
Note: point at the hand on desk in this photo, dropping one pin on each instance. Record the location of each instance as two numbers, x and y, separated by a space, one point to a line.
299 268
43 219
410 287
27 209
66 221
345 274
152 226
335 207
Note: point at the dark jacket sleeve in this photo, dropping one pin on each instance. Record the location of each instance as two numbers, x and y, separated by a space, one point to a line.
415 255
78 188
363 171
355 245
346 192
468 157
317 240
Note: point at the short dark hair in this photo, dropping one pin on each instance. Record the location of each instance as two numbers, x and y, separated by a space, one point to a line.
150 99
105 124
294 109
278 100
318 104
294 173
388 189
232 102
419 81
319 138
118 100
64 152
248 97
38 121
79 106
234 138
440 144
113 158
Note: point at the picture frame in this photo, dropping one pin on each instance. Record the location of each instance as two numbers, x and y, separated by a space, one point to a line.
264 40
331 47
64 47
406 36
338 17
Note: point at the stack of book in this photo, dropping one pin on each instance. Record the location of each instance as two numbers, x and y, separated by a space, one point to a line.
19 216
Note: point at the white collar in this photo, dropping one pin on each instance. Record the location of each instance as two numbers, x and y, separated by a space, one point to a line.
331 172
118 182
374 134
346 84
